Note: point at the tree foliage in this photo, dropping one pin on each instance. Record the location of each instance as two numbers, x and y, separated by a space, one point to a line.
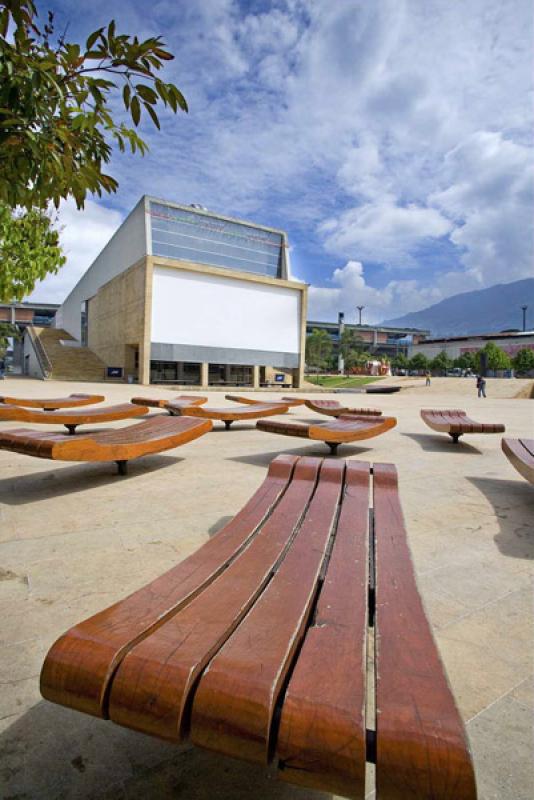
467 361
523 361
356 358
318 349
7 332
56 121
497 359
442 362
29 250
351 341
418 362
400 361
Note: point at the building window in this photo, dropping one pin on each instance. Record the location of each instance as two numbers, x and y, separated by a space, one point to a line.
180 372
193 236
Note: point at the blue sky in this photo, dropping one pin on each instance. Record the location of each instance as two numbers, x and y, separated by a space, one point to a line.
392 140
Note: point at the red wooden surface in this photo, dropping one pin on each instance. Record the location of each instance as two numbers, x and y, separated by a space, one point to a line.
333 408
152 686
72 417
456 421
181 400
235 702
321 740
79 667
422 750
51 403
520 453
230 413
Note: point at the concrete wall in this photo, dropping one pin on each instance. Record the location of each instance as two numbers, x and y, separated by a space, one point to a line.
209 317
30 362
116 319
126 247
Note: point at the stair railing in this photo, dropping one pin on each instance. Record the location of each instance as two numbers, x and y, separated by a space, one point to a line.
42 358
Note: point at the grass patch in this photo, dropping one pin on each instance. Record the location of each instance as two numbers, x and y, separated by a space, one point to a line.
340 381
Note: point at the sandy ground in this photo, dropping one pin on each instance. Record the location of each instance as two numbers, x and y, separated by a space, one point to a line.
74 538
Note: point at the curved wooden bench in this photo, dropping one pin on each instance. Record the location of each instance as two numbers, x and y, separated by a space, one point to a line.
343 430
256 645
520 453
285 401
382 389
119 445
71 418
334 409
455 422
181 400
52 403
228 414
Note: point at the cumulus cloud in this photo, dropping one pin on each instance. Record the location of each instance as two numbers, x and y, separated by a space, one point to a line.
83 235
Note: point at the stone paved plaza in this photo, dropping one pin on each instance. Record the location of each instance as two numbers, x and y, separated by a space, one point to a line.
75 537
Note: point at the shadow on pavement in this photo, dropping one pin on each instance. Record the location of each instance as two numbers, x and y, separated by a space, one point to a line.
51 752
441 443
513 502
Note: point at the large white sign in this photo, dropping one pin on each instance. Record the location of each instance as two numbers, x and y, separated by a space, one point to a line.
215 311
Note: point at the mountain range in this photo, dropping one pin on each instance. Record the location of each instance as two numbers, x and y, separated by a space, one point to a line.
490 310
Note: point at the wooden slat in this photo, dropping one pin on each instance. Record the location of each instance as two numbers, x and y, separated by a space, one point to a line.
422 750
152 686
72 417
520 453
333 408
455 421
344 429
80 665
51 403
321 740
285 401
230 413
159 402
234 704
118 444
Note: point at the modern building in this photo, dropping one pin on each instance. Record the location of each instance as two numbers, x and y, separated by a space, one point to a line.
509 341
22 316
184 296
377 339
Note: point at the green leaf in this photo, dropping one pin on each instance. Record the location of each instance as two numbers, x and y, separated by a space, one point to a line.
146 93
135 109
126 94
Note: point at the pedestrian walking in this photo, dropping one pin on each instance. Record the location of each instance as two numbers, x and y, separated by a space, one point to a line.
427 376
481 386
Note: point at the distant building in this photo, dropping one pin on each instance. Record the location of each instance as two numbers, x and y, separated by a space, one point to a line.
378 340
22 315
181 295
509 341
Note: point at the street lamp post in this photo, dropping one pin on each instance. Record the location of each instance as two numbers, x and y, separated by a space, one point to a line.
360 309
524 310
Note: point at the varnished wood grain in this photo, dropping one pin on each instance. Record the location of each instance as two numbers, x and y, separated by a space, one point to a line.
119 444
229 414
234 704
71 418
334 409
456 423
520 453
344 429
285 401
321 741
422 750
52 403
152 686
79 667
181 400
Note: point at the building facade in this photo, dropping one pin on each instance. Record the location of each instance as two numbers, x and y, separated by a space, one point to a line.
377 339
454 346
181 295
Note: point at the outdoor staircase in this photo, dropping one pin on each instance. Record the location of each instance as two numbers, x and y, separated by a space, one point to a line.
64 363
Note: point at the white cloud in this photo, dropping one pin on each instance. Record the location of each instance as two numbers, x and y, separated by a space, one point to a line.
83 235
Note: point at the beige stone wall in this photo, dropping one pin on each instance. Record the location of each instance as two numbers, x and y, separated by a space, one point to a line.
116 317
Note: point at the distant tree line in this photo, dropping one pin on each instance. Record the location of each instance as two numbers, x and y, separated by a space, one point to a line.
320 356
497 359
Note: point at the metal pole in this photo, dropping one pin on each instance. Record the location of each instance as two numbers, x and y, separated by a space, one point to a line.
524 310
360 309
341 327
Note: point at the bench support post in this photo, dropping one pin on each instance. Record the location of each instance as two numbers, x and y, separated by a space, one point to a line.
455 437
333 447
227 423
122 467
71 429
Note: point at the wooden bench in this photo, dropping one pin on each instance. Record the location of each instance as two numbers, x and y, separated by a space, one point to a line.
52 403
333 408
342 430
229 414
455 422
119 445
520 453
381 389
285 401
71 418
256 645
182 400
